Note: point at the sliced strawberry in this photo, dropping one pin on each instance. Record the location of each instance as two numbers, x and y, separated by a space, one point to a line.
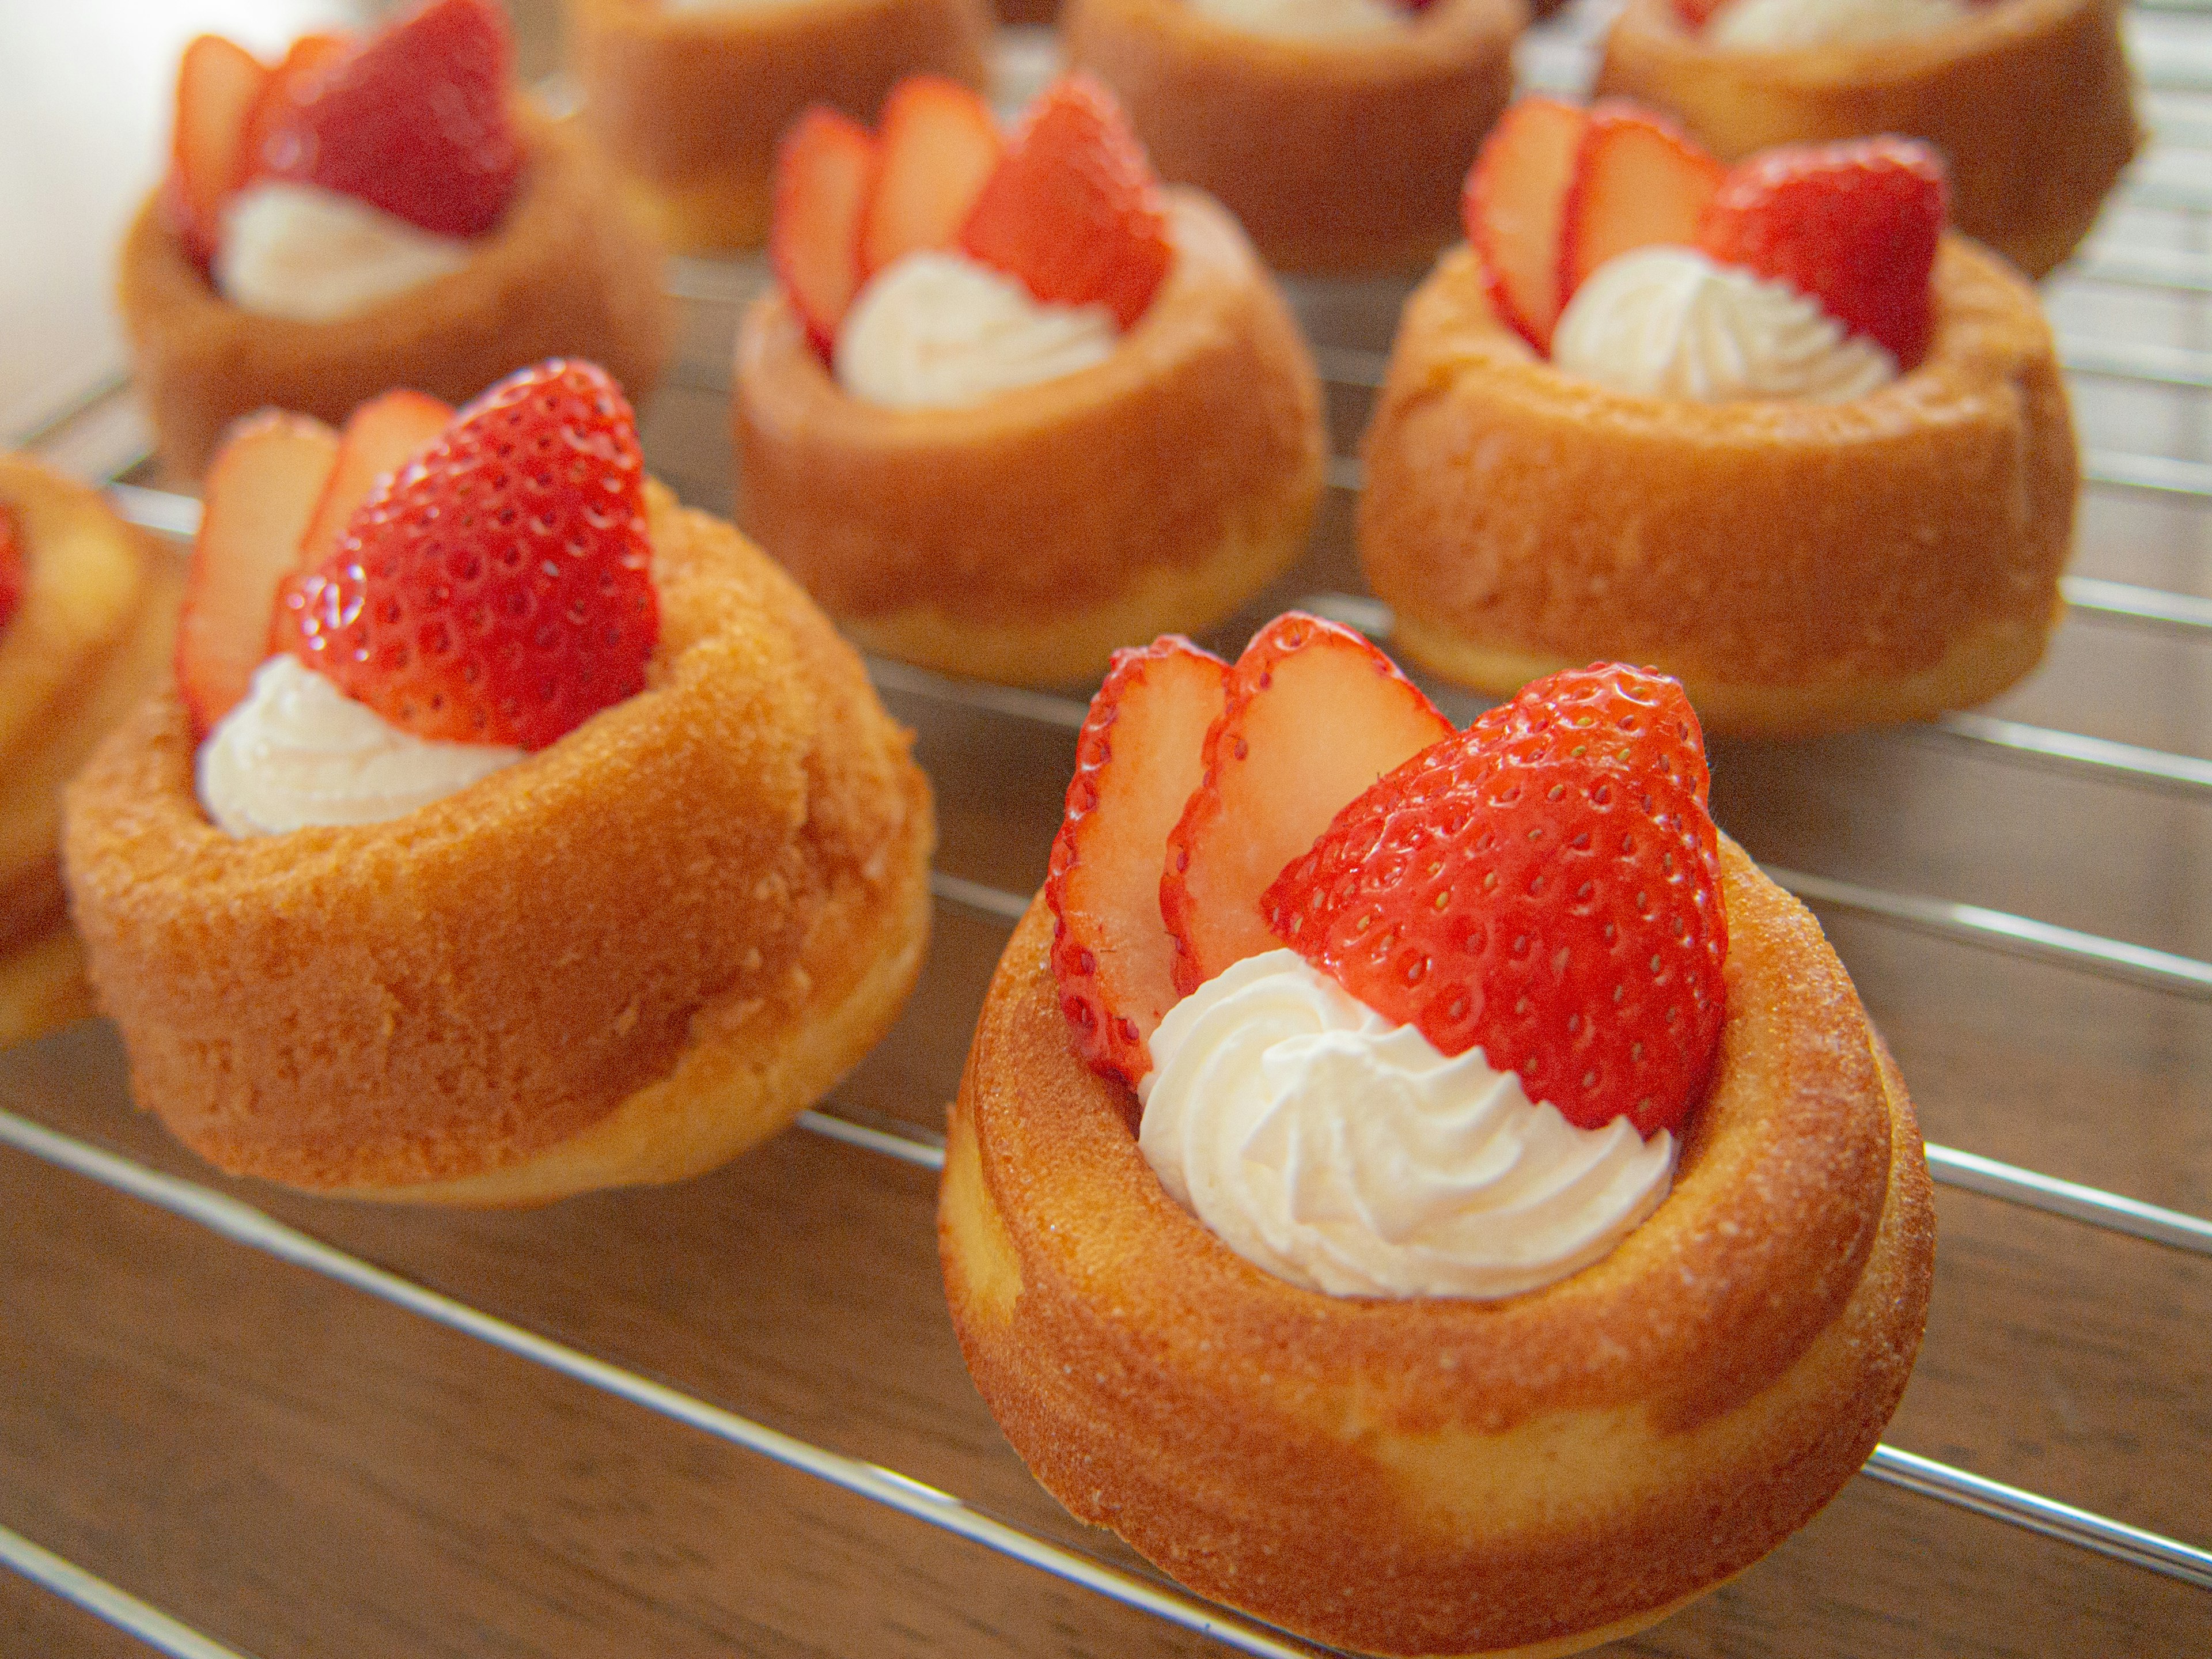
1513 205
939 143
379 438
1541 887
1136 762
260 494
218 85
1695 14
1638 183
1854 225
498 589
12 576
825 168
289 83
414 120
1313 716
1074 207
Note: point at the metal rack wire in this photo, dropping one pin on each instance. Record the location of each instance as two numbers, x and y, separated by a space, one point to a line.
2174 40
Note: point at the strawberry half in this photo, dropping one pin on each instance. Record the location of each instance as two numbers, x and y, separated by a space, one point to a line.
1073 209
1137 762
497 590
1514 207
414 121
1312 715
1853 225
11 568
259 498
1544 885
1638 183
939 143
825 167
218 86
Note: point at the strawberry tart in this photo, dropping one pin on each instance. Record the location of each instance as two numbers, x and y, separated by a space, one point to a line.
1426 1188
1336 130
2029 100
368 214
1012 404
1771 428
509 830
88 607
689 96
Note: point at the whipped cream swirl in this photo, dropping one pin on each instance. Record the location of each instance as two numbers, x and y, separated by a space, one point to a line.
1667 322
298 751
1789 25
314 256
1345 1153
936 330
1305 19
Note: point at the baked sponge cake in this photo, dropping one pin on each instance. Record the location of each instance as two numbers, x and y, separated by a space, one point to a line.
621 954
87 610
1299 1341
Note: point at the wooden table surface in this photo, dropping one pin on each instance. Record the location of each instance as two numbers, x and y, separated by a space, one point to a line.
729 1416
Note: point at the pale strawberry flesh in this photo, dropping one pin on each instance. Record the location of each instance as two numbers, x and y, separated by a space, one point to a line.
1313 716
825 168
939 144
1137 759
378 439
1638 183
218 86
1514 206
260 495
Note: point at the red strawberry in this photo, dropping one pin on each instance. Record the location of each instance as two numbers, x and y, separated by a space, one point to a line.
1546 886
1514 207
292 79
261 491
1854 225
939 143
1695 14
825 168
1313 714
414 120
1136 762
1074 208
378 438
496 590
11 568
1638 183
218 85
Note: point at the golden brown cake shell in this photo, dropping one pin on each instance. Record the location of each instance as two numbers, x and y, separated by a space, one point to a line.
1341 156
690 104
1025 538
91 637
619 960
1801 567
1534 1474
2030 100
569 272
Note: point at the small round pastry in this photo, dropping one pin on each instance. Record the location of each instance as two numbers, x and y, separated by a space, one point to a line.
1530 1476
569 271
1801 567
2030 101
622 954
1338 153
88 634
1023 538
689 99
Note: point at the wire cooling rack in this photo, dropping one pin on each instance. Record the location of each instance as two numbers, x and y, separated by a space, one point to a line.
2135 316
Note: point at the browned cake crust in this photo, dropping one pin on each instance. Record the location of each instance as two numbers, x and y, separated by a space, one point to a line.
1801 567
1337 155
691 103
1025 538
91 637
569 272
2030 100
1438 1476
622 959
